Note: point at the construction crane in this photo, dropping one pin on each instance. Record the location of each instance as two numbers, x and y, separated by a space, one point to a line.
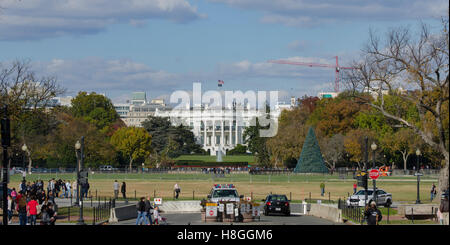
336 68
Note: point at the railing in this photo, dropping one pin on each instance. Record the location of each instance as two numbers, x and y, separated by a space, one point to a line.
102 212
356 214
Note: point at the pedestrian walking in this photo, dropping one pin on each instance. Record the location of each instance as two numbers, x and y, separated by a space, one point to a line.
176 190
372 214
32 210
322 189
74 188
148 210
140 206
68 193
48 214
10 208
22 208
444 207
116 189
156 215
432 192
123 190
354 187
86 187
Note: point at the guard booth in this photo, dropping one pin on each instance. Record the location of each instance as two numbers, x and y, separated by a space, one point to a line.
231 212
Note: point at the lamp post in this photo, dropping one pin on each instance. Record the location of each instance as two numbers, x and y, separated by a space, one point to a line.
79 146
24 149
374 148
418 153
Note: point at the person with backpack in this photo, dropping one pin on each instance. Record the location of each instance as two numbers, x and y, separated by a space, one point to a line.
22 208
140 206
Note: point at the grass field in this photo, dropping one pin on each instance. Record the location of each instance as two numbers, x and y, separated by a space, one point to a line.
197 185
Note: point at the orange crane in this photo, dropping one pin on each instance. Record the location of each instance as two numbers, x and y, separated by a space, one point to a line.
336 67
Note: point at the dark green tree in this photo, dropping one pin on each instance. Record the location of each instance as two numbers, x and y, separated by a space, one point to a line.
182 140
311 160
96 109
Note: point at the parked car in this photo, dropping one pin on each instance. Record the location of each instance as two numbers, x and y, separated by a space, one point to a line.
277 204
359 198
18 170
107 168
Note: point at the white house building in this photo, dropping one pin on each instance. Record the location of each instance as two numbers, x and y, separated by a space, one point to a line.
216 129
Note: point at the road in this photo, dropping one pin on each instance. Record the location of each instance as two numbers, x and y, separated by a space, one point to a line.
195 219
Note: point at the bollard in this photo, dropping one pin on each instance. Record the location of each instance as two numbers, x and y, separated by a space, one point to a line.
310 197
329 197
193 195
154 193
290 196
135 194
68 215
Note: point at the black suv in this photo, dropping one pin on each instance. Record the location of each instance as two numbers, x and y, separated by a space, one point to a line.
277 204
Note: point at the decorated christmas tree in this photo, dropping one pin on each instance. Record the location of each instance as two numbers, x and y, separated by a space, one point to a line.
311 160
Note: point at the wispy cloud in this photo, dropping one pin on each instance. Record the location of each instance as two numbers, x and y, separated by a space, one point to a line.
315 12
37 19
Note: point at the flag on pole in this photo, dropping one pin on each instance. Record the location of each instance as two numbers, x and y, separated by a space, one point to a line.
220 83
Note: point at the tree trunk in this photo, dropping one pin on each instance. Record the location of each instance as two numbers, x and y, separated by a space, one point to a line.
131 162
29 164
405 159
443 177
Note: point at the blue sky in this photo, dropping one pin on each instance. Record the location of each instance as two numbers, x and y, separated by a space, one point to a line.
159 46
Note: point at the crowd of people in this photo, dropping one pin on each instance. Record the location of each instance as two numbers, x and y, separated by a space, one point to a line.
32 199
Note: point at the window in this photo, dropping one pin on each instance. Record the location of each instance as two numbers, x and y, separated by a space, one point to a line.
224 193
278 198
363 192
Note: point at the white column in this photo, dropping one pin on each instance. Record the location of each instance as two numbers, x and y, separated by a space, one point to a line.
213 143
204 133
236 132
222 132
230 139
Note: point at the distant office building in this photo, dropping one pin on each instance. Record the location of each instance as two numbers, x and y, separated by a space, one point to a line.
327 95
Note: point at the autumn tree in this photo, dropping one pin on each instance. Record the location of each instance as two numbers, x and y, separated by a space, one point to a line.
132 142
419 61
354 144
404 141
332 149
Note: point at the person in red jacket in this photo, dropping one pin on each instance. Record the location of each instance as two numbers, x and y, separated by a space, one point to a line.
354 187
32 210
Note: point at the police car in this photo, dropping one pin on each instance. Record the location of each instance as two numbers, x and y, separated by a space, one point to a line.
359 198
224 192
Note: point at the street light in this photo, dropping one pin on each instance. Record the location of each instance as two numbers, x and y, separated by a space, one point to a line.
77 148
25 149
418 153
79 151
374 148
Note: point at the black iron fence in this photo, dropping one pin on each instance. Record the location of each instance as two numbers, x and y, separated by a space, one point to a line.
101 212
353 213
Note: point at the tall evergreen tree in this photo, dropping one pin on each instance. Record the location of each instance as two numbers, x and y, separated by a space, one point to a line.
311 160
